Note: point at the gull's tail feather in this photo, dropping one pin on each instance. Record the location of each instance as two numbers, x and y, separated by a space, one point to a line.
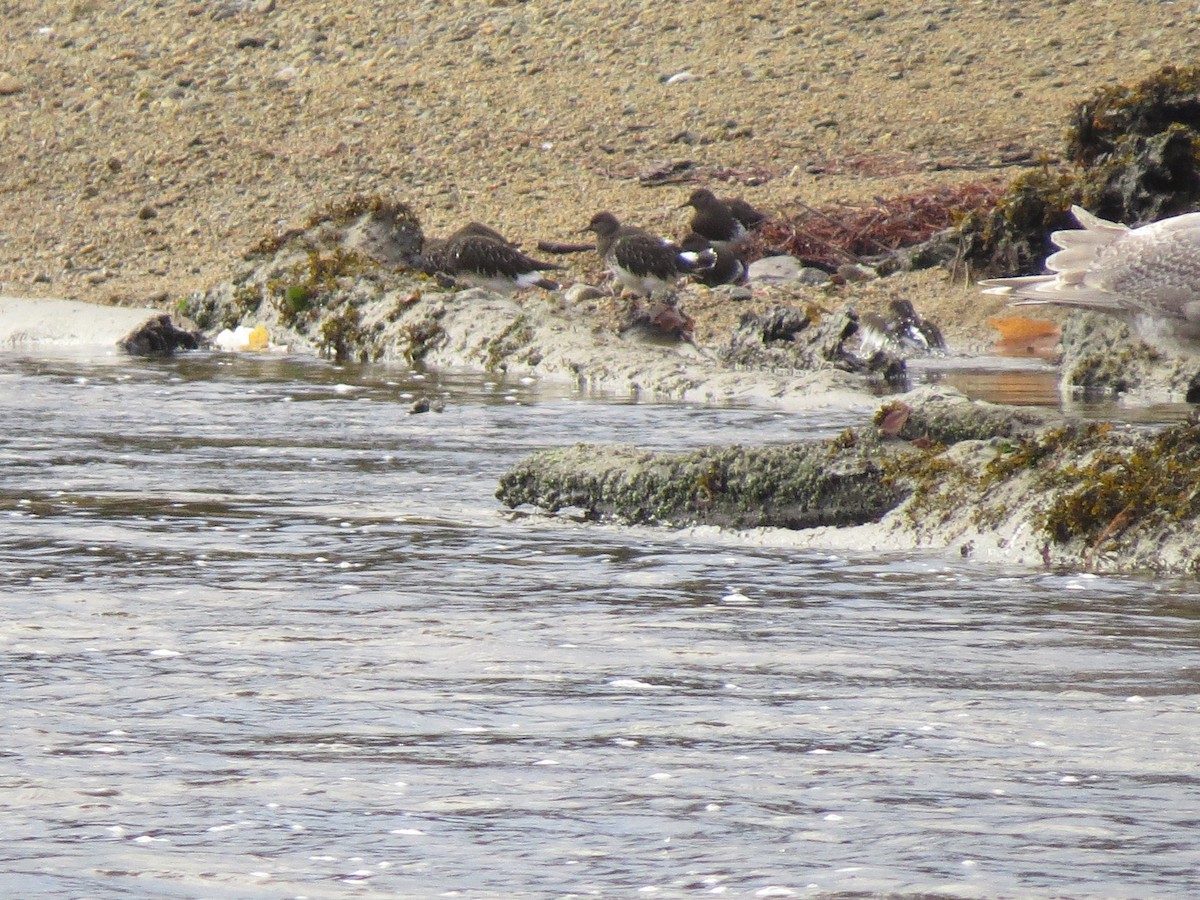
1066 285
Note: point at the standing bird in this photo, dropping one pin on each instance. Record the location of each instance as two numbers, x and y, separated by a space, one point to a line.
482 256
722 220
1149 276
641 261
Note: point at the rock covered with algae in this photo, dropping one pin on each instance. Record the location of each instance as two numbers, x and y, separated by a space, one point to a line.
936 472
799 485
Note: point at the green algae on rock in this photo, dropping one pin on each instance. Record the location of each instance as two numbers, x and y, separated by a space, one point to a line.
1135 158
1079 496
789 486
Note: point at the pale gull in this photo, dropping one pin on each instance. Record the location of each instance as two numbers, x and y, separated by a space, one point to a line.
1149 276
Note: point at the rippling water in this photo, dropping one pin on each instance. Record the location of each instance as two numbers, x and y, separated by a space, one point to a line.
265 634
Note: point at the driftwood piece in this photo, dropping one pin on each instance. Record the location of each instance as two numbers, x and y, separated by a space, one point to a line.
564 247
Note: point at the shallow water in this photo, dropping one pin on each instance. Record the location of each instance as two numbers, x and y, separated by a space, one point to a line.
265 634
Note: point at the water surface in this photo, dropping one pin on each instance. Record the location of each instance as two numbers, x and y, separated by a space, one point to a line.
266 634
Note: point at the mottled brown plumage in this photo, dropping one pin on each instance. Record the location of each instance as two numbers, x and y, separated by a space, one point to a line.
482 256
718 219
641 261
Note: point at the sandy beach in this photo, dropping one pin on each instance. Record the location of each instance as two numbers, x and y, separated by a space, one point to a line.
146 147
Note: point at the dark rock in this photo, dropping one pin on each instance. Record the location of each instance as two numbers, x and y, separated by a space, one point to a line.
782 323
159 337
425 404
1099 124
1137 153
1154 177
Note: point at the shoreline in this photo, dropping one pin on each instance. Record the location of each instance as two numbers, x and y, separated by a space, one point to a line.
48 322
946 504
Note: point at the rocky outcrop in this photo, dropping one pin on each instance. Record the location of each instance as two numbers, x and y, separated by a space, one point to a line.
792 486
979 479
353 286
931 470
1103 358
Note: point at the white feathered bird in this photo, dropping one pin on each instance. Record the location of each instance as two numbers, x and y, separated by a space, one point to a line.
1149 276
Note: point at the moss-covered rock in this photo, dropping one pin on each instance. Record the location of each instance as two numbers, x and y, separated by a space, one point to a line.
1103 358
788 486
383 229
1084 495
942 418
1014 234
1170 96
1134 154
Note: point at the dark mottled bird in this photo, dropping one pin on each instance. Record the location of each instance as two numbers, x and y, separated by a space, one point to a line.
722 219
482 256
433 251
729 267
1149 276
641 261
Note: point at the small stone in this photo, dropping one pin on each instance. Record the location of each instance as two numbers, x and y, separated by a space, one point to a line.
425 404
580 292
853 272
147 212
734 291
9 85
263 7
813 276
775 269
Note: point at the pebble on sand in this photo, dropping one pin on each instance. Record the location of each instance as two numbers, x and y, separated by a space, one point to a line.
10 84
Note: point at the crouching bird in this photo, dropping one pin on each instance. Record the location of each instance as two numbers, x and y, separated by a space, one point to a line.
728 219
481 256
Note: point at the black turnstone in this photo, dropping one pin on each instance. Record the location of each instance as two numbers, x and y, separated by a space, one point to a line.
719 219
729 267
478 229
903 332
641 261
482 256
1149 276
